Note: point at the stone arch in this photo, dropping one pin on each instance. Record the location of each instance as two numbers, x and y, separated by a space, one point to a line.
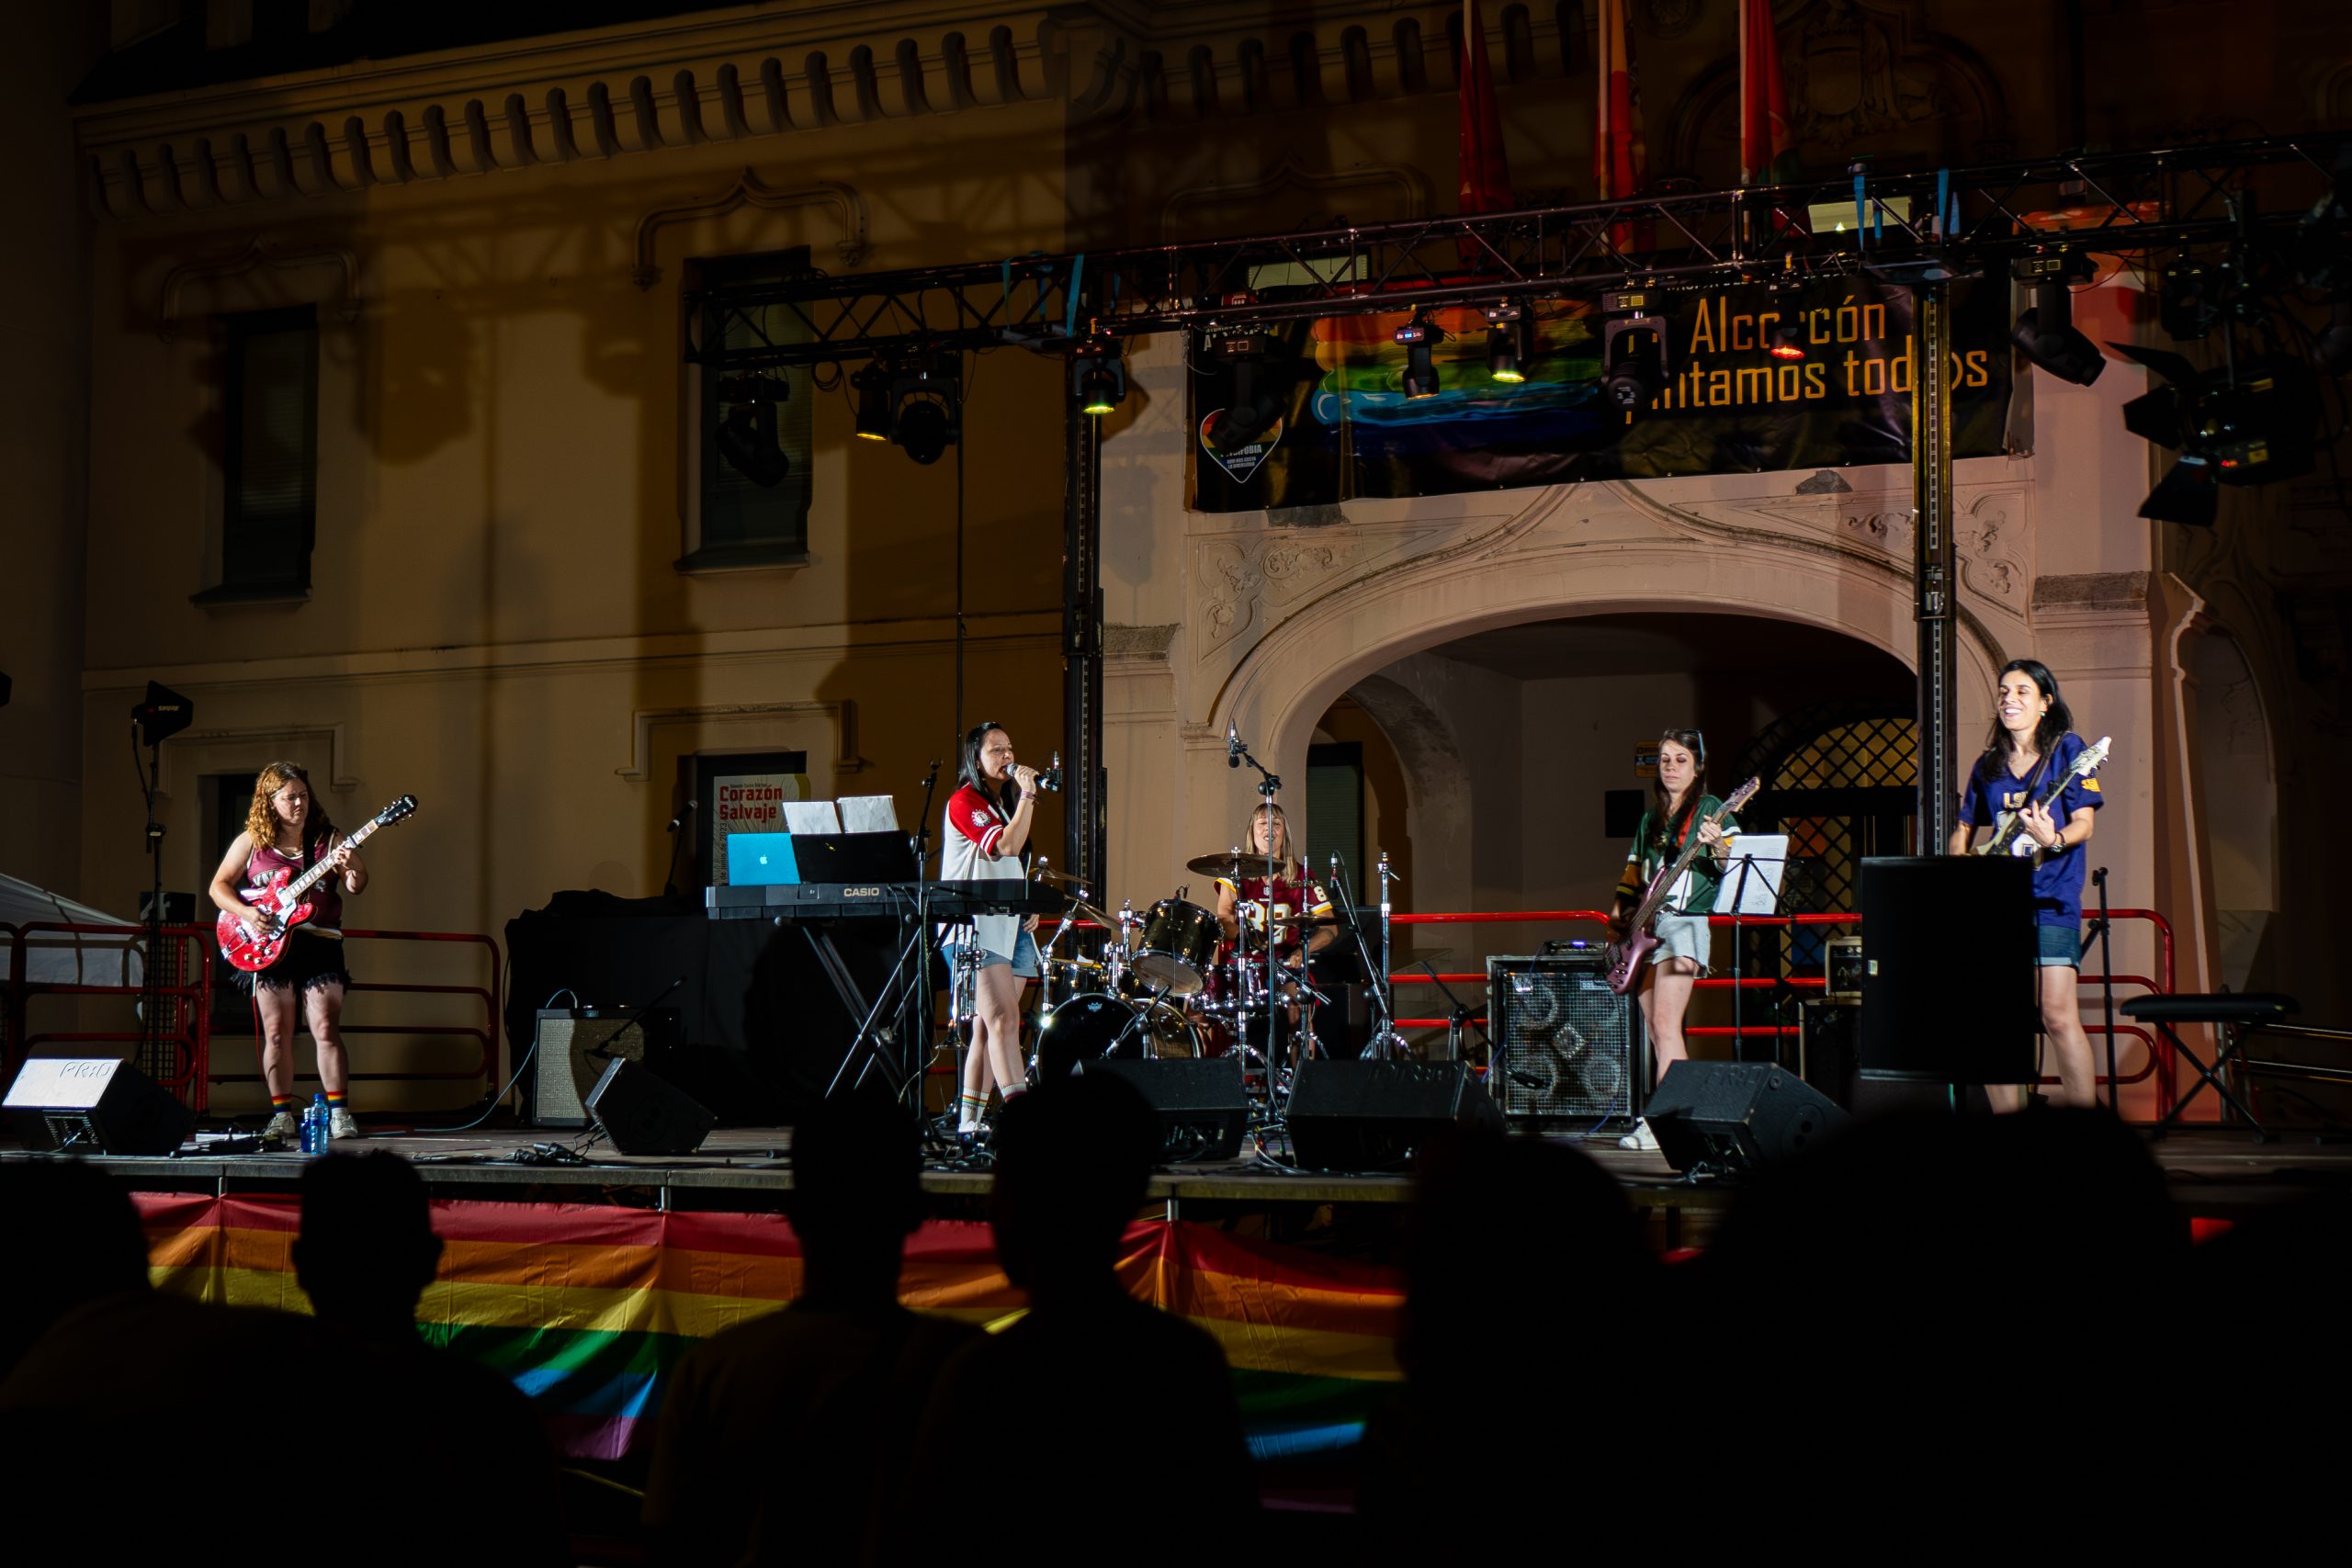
1437 788
2238 789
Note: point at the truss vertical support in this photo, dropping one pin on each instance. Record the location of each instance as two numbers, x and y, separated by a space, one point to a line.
1084 821
1935 569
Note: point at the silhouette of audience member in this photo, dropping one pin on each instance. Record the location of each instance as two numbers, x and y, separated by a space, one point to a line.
1096 1428
1529 1287
103 1366
455 1447
780 1438
1958 1310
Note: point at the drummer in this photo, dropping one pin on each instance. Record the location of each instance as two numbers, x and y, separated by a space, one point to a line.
1292 895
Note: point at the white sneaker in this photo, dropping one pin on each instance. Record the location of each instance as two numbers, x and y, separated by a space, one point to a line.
285 1131
1641 1140
340 1124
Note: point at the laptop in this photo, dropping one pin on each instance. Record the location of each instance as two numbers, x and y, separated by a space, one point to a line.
761 860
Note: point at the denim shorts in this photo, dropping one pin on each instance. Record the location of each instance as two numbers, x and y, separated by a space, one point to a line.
2061 947
1024 960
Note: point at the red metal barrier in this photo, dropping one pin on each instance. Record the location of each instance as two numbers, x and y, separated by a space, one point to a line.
190 1028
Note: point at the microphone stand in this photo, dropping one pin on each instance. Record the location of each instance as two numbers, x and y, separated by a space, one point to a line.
1269 785
1459 1018
2105 933
918 1041
677 847
637 1019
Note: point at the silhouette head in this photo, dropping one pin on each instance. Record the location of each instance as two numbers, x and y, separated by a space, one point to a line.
1073 1160
79 1222
367 1249
856 1191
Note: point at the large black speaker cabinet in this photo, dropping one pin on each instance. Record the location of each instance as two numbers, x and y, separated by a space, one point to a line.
1201 1107
643 1115
574 1046
1829 1034
1566 1047
1370 1115
94 1105
1732 1118
1949 982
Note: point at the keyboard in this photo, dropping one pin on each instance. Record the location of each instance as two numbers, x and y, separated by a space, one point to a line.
950 901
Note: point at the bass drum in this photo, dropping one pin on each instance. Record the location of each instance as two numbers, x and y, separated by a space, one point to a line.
1091 1028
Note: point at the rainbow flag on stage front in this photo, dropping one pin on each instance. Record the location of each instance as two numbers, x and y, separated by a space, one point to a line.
587 1307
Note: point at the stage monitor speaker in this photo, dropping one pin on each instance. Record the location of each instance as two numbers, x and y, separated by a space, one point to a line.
574 1044
1566 1046
95 1105
1949 978
642 1114
1202 1107
1731 1118
1370 1115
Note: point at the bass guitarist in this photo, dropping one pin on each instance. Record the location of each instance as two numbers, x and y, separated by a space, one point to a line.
1678 801
2031 748
287 831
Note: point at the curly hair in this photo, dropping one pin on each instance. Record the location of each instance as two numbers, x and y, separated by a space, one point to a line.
262 822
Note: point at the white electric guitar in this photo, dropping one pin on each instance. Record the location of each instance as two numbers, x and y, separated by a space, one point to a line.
2009 836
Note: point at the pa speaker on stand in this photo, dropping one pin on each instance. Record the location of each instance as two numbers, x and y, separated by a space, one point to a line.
1948 977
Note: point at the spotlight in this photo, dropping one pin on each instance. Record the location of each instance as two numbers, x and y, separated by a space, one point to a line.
163 715
874 404
2186 494
1633 352
2045 332
1787 342
1253 408
1505 343
1099 379
1419 335
747 432
2187 303
926 398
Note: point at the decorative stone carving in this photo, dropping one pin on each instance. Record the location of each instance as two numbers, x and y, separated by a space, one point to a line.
1992 548
259 251
841 717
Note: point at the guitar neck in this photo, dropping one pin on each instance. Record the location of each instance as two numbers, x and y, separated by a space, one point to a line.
1654 899
303 883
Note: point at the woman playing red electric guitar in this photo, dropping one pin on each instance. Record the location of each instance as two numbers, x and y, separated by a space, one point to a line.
286 832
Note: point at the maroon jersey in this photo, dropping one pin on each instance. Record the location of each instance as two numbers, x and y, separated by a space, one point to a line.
1290 897
327 894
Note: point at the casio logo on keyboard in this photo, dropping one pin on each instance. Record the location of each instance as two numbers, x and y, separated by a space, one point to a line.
869 892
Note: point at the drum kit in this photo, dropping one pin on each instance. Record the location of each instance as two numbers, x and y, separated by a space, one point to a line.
1167 981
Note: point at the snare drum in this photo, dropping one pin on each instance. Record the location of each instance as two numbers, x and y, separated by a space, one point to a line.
1062 978
1179 943
1092 1027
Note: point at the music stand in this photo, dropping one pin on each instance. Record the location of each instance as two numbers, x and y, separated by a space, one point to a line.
1753 873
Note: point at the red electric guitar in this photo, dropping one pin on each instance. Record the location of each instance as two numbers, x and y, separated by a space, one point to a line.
1625 958
283 901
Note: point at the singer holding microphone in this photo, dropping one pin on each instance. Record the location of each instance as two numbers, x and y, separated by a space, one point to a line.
987 833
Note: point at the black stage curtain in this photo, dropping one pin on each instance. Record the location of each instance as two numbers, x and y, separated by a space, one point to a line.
764 1029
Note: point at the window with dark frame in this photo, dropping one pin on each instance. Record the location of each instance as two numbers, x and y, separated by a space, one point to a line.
269 452
1334 811
748 512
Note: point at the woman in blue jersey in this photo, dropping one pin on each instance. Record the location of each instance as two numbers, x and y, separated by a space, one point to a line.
2032 746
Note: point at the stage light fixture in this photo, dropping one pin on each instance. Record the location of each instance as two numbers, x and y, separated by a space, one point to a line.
1099 379
1632 351
2045 332
162 715
874 405
1419 335
1787 342
1505 343
926 399
2187 494
747 436
2188 302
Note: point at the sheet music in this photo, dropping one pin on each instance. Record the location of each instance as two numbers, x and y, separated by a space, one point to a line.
869 814
811 817
1767 855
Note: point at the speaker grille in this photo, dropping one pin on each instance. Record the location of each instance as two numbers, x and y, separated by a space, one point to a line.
563 1069
1566 1046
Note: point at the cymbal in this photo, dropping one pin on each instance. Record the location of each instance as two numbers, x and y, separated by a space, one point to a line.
1233 866
1059 878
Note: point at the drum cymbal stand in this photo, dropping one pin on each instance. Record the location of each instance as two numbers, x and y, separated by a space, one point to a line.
1236 751
1386 1044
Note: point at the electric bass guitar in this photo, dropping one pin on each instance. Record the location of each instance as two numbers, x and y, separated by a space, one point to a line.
1625 958
2009 836
283 902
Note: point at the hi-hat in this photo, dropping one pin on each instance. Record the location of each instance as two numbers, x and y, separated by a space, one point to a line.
1232 866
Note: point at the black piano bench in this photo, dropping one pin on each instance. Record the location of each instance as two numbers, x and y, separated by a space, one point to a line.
2233 1015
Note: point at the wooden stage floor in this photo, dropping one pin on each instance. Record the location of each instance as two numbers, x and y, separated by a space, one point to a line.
2215 1172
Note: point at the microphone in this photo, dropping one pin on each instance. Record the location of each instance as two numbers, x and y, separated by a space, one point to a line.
1524 1080
1232 745
684 812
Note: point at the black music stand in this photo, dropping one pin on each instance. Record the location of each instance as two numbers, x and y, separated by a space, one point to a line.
1735 878
910 982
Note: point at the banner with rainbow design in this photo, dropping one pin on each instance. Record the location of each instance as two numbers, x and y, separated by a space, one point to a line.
587 1307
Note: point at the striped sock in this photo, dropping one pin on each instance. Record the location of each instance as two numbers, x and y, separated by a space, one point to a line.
968 1108
280 1102
338 1102
1012 1091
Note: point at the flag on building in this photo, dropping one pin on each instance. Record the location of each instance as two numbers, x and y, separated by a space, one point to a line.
1766 144
1486 173
1618 159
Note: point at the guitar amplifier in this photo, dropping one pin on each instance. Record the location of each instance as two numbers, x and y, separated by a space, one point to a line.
573 1047
1566 1046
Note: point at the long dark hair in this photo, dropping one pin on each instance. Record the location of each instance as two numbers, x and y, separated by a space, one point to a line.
968 770
1665 834
2000 744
